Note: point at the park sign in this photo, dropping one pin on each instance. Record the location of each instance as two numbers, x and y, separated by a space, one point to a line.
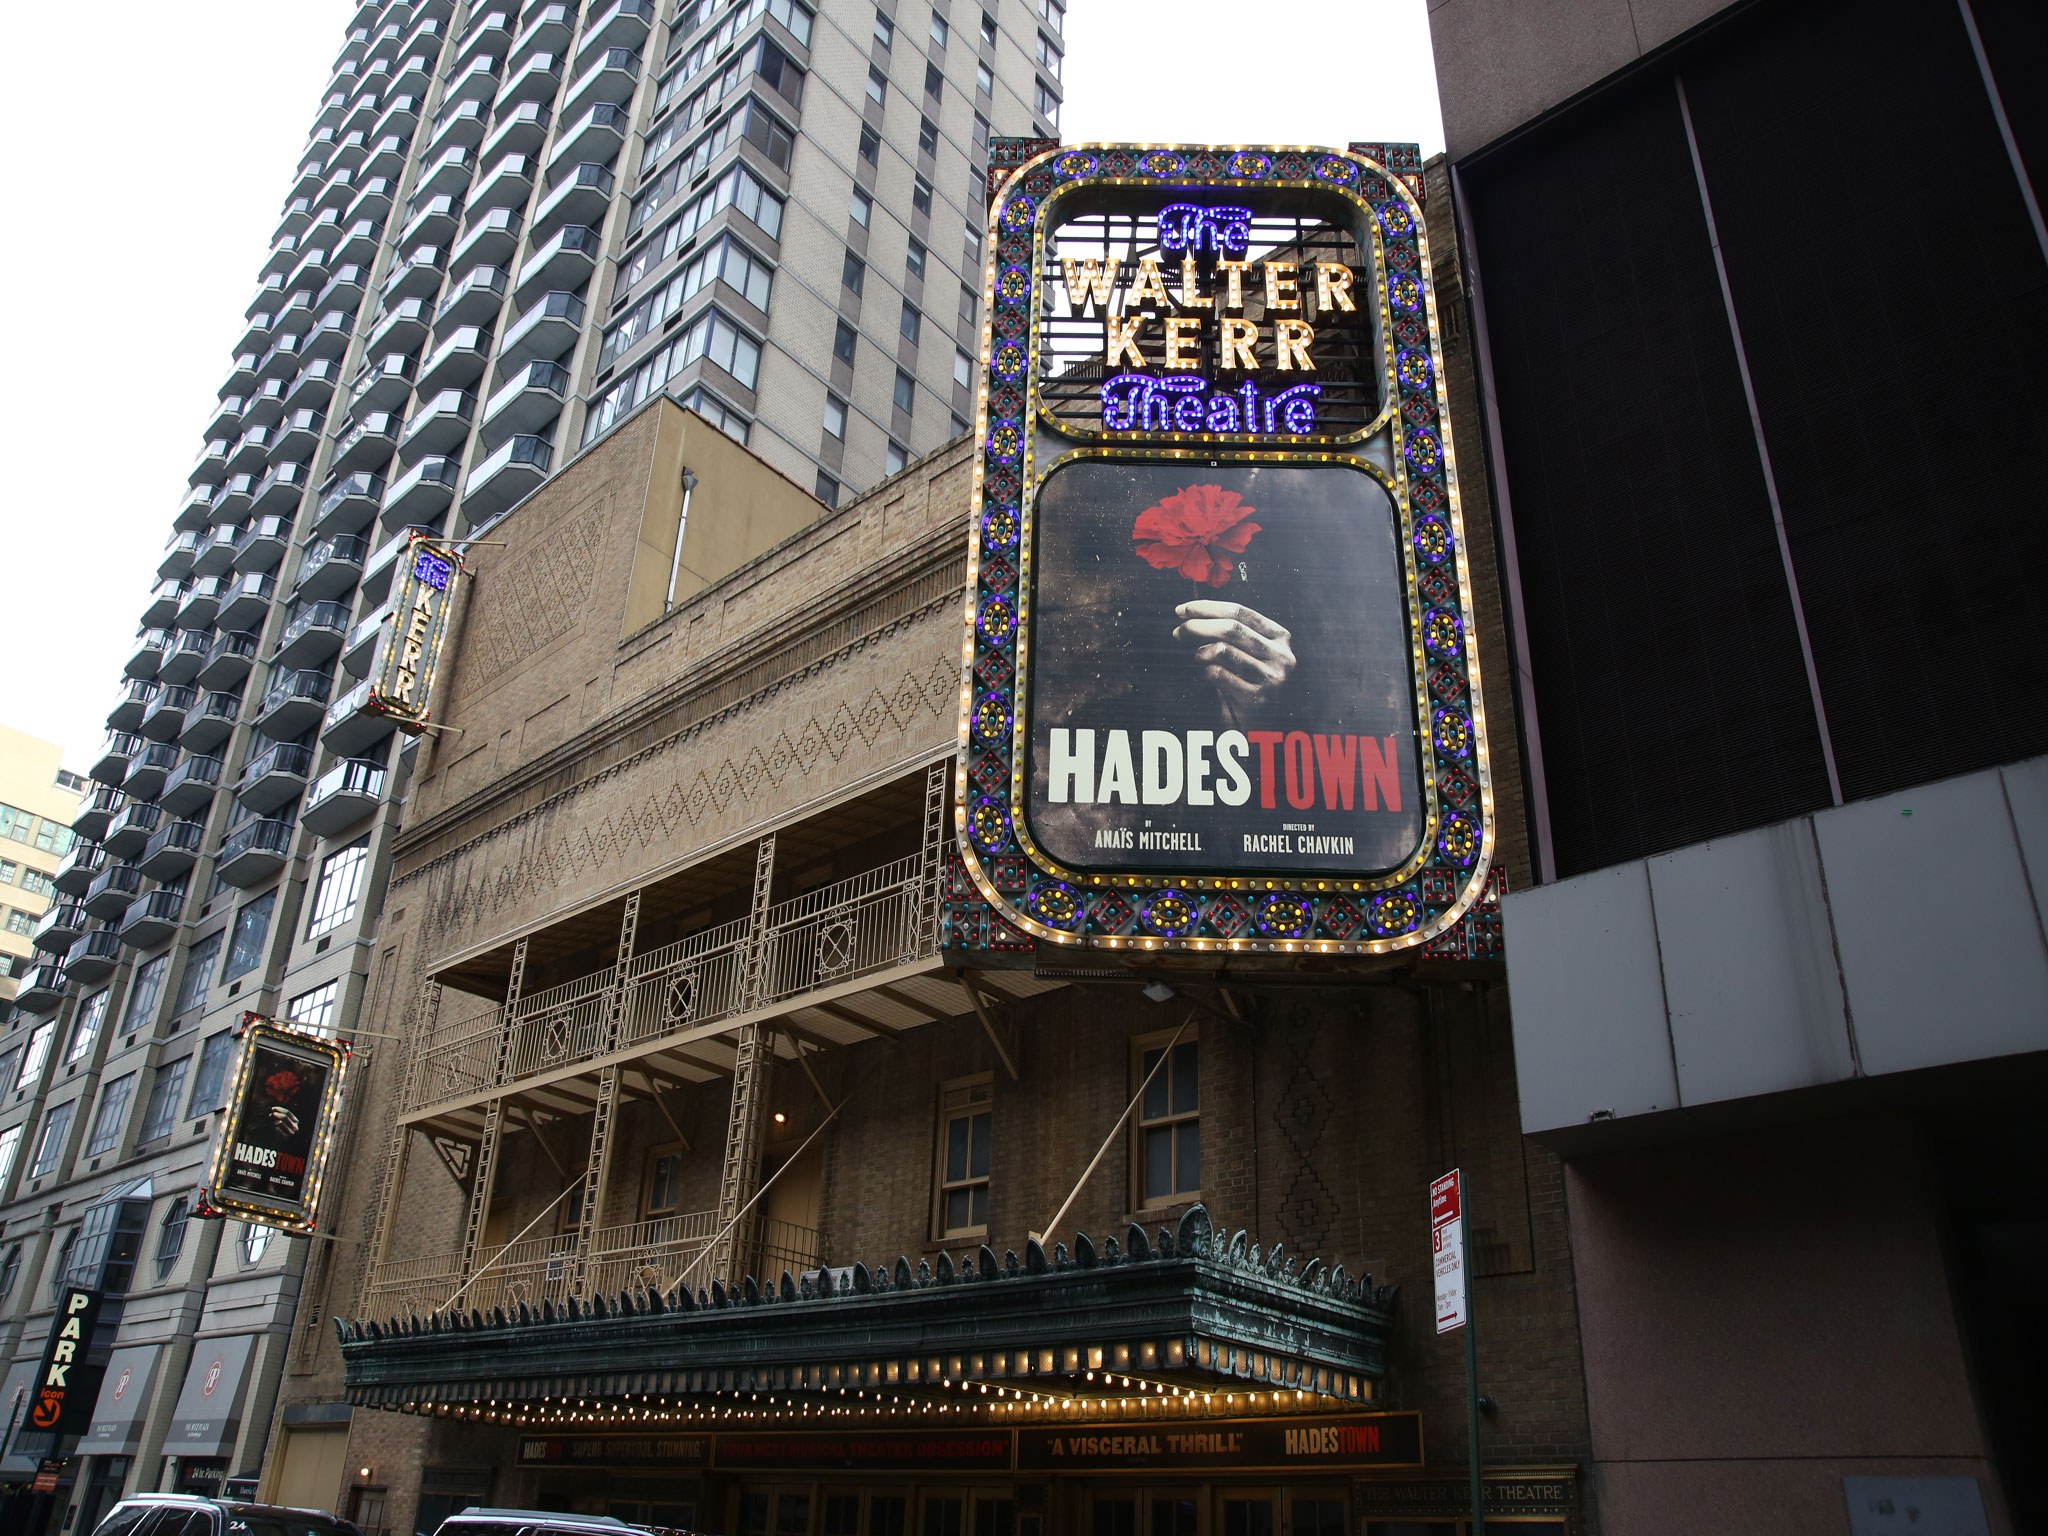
1219 689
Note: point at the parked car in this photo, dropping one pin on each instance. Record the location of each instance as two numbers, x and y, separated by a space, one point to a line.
544 1522
183 1514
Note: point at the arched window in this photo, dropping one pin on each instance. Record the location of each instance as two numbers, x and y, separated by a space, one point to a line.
170 1237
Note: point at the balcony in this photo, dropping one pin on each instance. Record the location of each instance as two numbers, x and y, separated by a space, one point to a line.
94 956
111 767
521 129
260 547
401 328
231 503
565 261
146 775
345 286
595 136
191 785
281 361
545 26
332 566
329 338
310 275
216 554
417 276
245 602
59 928
527 401
505 478
228 658
278 492
132 705
267 403
610 78
254 852
400 114
147 654
350 505
201 599
41 989
359 245
432 222
450 173
343 796
211 464
422 494
474 300
488 35
185 655
491 235
97 810
298 436
196 510
623 24
413 73
241 374
275 776
359 651
179 554
351 726
547 330
112 889
164 719
383 562
172 849
373 199
315 384
386 384
210 723
151 919
367 444
440 425
477 83
251 451
531 83
457 362
458 129
75 871
293 705
581 197
312 634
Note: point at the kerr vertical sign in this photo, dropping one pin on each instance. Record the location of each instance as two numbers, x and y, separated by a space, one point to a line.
278 1132
1219 688
65 1387
1447 1249
422 614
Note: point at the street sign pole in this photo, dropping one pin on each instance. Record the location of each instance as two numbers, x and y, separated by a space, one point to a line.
1471 1377
1451 1258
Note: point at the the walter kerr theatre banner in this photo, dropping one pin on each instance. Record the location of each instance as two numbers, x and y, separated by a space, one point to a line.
1220 689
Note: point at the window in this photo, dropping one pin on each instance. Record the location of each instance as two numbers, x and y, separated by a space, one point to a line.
934 80
870 146
910 325
965 1118
913 259
905 392
51 1146
8 870
893 457
52 838
959 424
863 208
970 304
921 196
981 132
664 1180
940 32
198 973
1047 102
828 489
213 1073
252 927
10 1271
844 340
988 29
37 1052
255 1241
144 989
10 1062
885 31
835 416
10 1149
16 823
20 923
1169 1122
963 369
1048 56
927 136
170 1237
36 883
314 1010
1054 13
878 85
984 80
85 1029
160 1110
340 888
106 1125
725 260
853 272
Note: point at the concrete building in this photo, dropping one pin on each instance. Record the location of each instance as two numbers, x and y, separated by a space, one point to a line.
38 798
1757 290
691 989
513 223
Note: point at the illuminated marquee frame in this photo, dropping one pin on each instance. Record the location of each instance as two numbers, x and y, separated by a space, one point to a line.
428 584
288 1039
1401 909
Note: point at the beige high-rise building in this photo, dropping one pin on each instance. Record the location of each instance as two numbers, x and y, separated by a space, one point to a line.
38 798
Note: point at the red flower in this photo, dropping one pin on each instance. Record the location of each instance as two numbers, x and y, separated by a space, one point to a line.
1198 531
281 1086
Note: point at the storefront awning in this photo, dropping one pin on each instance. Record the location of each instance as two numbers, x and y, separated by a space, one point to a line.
209 1411
124 1398
1188 1316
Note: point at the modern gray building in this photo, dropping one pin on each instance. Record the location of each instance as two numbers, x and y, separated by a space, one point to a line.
512 224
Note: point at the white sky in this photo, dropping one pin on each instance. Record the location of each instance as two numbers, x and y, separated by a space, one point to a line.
148 167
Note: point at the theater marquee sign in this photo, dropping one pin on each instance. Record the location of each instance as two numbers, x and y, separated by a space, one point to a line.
1220 689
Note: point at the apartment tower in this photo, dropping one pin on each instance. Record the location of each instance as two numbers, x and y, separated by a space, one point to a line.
512 225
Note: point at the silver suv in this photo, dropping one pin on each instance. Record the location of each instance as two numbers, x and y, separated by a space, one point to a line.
180 1514
542 1522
